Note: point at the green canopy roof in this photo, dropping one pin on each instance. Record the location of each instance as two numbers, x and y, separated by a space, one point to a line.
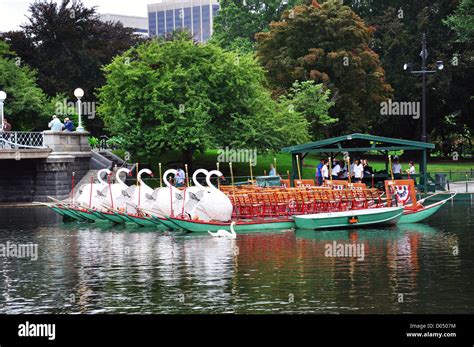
358 143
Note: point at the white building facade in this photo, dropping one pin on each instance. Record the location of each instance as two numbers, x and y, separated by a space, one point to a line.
138 24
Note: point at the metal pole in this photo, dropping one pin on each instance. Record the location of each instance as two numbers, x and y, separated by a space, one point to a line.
1 116
79 126
424 53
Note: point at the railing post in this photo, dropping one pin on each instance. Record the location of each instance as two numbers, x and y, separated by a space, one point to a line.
16 141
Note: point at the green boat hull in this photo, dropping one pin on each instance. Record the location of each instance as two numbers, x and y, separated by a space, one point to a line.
419 216
112 217
350 219
240 227
144 221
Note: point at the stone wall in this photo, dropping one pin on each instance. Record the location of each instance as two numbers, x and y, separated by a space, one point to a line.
29 180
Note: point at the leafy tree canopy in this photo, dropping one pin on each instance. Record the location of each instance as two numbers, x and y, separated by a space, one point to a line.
462 21
329 44
67 45
177 95
26 107
238 21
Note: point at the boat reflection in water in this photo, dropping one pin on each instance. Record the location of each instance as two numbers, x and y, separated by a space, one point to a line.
85 268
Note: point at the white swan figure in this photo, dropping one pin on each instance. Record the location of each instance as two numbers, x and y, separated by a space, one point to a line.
116 190
84 197
214 205
194 194
166 198
224 233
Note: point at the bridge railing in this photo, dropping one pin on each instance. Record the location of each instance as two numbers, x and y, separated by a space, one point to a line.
21 140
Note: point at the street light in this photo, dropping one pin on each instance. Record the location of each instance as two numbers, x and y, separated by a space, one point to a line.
423 72
408 67
3 96
79 93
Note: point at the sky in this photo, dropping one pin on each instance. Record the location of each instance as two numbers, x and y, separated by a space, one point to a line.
13 12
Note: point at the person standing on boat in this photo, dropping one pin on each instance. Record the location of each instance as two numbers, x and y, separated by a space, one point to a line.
180 177
325 171
336 170
396 167
319 175
411 169
272 171
358 171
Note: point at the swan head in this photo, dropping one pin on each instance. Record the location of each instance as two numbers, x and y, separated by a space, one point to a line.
99 174
211 173
167 173
197 172
144 171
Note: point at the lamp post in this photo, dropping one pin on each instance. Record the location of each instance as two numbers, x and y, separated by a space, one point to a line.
408 67
79 93
423 72
3 96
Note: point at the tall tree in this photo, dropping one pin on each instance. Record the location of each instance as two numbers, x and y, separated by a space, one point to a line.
462 21
187 97
329 44
67 44
238 21
399 25
26 106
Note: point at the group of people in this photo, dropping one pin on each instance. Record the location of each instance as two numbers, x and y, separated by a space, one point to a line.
357 170
339 171
57 125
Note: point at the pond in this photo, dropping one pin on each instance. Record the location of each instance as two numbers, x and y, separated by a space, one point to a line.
100 268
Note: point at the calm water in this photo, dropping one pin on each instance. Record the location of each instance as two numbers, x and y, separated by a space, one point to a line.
85 268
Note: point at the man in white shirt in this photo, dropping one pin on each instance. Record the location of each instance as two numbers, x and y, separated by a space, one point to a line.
396 167
325 171
358 171
336 170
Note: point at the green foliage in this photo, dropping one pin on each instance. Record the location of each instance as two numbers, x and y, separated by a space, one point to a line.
26 106
336 53
400 25
67 45
238 21
93 141
177 95
462 21
313 101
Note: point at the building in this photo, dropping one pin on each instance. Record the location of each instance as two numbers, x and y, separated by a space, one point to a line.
138 24
195 16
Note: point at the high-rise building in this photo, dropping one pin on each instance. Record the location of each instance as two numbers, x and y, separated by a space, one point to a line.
195 16
138 24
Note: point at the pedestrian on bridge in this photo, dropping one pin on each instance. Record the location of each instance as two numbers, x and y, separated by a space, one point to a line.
55 124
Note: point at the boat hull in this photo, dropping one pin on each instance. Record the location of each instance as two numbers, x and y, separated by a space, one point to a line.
421 215
350 219
240 227
143 221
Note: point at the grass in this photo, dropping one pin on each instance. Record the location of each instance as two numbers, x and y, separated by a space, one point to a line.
455 169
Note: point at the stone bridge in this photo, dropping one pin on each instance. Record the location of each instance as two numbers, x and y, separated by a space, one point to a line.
34 166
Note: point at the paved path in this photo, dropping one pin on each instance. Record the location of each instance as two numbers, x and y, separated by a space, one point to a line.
460 187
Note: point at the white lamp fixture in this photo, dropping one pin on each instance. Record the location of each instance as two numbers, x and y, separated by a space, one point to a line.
3 96
79 93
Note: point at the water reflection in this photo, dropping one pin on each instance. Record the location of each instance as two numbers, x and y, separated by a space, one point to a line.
90 268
